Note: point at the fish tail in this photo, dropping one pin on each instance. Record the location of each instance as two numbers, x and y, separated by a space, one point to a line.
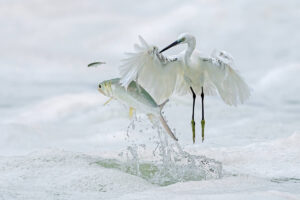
165 125
161 106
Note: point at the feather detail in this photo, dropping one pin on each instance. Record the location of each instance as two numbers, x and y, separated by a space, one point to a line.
230 85
156 73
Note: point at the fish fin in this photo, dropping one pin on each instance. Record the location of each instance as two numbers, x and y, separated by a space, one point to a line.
108 101
163 104
131 111
150 117
167 128
137 84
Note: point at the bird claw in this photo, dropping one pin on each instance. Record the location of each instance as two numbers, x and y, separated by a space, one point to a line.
193 129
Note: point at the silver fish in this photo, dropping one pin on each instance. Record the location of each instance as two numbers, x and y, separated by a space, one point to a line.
135 97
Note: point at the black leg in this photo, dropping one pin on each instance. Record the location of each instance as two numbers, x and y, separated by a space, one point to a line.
193 121
203 120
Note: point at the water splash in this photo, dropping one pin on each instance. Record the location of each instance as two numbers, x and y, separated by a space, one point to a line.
161 162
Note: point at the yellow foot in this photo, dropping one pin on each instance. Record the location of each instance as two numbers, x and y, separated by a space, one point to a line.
193 129
202 126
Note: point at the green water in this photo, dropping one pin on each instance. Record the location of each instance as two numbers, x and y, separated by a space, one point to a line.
166 162
164 174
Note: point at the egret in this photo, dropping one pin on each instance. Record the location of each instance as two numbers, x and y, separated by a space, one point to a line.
189 71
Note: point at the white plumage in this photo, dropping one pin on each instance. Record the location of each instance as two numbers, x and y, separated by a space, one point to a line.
161 76
154 72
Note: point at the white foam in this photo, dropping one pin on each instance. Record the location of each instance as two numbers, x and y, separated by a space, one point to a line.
63 175
277 158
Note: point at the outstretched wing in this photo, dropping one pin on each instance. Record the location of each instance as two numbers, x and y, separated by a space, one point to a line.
230 85
154 72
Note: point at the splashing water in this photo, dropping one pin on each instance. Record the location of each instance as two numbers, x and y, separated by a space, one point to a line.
163 163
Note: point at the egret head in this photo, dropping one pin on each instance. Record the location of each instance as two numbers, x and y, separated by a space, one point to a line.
105 88
182 39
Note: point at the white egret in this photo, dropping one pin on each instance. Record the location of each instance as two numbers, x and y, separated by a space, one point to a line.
187 71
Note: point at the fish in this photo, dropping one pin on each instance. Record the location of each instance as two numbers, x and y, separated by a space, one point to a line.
96 64
137 98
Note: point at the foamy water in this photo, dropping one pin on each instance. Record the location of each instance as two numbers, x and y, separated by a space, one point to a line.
58 141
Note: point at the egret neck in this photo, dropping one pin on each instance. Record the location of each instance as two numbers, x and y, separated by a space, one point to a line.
191 44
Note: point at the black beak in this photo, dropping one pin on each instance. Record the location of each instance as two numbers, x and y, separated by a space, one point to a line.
171 45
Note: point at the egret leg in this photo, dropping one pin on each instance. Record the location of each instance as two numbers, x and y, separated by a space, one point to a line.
193 121
203 120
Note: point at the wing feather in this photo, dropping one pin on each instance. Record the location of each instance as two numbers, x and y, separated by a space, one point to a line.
230 85
154 72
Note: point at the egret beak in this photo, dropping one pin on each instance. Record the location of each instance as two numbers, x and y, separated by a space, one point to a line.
171 45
